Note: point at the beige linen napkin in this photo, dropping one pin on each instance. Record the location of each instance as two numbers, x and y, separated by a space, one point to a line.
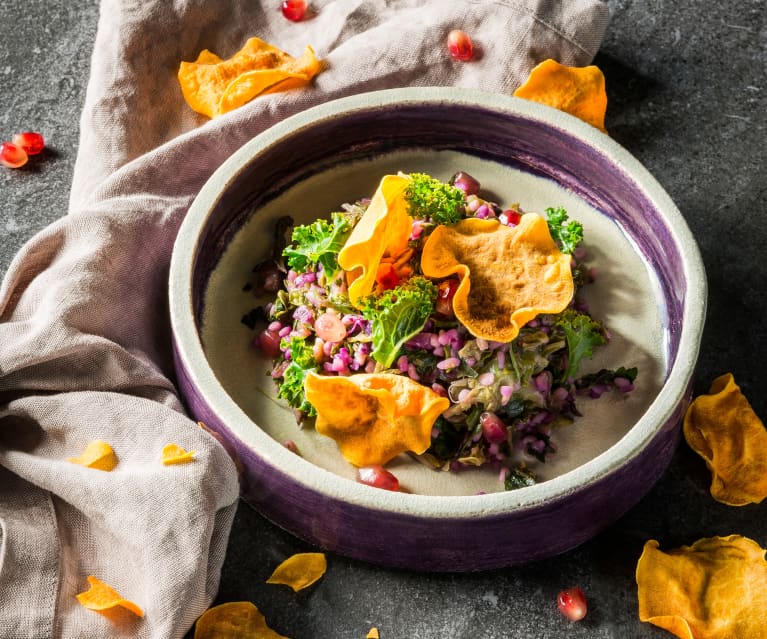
84 339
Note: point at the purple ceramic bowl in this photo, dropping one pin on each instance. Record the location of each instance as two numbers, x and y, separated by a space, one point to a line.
651 293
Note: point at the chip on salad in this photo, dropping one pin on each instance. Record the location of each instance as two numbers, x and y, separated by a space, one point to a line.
373 417
579 91
381 234
212 86
714 589
507 275
724 430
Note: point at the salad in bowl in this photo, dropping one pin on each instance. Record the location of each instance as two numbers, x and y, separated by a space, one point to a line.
429 320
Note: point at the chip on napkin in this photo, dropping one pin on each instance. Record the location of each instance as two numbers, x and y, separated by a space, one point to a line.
726 432
579 91
714 589
101 597
213 86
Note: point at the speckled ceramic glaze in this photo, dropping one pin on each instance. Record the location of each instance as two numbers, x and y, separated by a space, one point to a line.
353 141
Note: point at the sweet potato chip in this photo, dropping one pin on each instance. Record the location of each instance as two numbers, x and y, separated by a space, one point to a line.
300 570
726 432
508 274
102 598
373 417
714 589
373 634
579 91
173 454
213 86
97 454
234 620
383 232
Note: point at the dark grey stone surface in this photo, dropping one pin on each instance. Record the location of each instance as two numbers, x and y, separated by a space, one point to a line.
687 83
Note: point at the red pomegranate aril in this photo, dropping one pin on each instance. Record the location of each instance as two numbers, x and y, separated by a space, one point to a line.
269 343
12 155
32 142
510 217
460 45
294 10
493 429
572 604
378 477
330 328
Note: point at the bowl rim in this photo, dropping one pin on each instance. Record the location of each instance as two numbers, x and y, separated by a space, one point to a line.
662 409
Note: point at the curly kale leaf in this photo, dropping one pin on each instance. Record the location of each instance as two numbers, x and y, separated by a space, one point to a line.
582 334
291 387
397 315
318 243
565 232
430 198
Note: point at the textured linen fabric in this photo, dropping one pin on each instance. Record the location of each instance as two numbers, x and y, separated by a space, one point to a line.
84 335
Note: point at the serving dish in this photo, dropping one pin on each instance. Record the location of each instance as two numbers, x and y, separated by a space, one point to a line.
651 292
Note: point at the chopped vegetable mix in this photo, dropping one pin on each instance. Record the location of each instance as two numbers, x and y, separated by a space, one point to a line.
431 321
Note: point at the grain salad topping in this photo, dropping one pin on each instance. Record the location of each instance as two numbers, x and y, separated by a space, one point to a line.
432 321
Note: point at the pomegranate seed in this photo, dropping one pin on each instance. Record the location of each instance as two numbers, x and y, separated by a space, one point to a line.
290 445
460 45
269 343
509 217
12 156
572 604
330 328
378 477
294 10
30 141
493 429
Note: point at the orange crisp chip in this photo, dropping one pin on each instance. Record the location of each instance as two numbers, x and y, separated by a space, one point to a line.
213 86
724 430
714 589
173 454
102 598
579 91
373 417
382 232
234 620
508 274
300 570
373 634
98 455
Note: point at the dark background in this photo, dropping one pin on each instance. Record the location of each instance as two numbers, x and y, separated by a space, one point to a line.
687 87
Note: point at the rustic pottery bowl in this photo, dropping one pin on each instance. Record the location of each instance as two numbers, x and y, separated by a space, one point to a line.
650 292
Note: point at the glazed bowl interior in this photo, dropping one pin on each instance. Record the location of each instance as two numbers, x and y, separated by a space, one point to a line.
649 290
